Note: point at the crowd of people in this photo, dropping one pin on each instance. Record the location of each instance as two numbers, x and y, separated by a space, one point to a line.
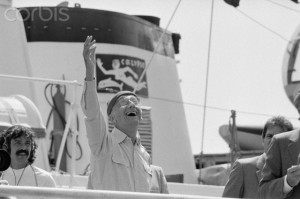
119 162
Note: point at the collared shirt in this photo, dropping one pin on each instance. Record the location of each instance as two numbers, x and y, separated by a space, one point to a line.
116 162
28 176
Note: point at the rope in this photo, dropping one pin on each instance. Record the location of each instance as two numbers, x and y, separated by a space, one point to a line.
206 85
265 27
158 45
269 29
283 6
211 107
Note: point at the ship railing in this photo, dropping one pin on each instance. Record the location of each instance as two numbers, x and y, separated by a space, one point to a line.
23 192
80 182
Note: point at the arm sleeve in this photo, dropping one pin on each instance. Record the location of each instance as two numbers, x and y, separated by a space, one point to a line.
235 183
164 184
94 118
272 182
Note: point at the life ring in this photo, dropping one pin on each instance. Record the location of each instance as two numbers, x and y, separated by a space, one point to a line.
291 66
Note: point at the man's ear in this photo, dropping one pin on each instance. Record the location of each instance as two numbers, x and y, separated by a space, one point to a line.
111 118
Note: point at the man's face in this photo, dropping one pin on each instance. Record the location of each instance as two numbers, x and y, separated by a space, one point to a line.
273 130
20 149
127 110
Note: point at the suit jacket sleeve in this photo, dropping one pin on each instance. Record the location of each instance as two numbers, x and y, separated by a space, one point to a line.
271 184
235 183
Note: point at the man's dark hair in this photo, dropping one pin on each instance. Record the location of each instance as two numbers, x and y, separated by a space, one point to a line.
14 132
280 121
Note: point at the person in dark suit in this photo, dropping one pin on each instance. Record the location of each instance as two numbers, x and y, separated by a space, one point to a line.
281 172
246 173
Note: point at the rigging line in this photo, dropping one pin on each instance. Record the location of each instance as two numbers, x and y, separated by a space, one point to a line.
261 114
158 44
265 27
217 108
280 5
212 107
206 82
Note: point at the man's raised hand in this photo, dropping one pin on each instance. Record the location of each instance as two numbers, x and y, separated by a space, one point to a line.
89 57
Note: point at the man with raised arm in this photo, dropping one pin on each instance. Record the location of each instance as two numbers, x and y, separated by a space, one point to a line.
118 160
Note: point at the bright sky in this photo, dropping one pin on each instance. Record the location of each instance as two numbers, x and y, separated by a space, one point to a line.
245 65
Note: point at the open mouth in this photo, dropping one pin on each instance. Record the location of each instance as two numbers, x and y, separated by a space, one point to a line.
131 114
